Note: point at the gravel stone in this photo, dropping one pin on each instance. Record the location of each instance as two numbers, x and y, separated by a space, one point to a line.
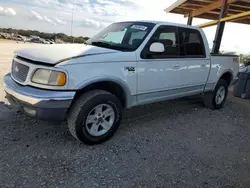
43 183
170 144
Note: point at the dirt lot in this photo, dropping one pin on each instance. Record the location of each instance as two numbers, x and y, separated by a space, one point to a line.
170 144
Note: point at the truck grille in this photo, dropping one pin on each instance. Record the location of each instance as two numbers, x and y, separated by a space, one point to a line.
19 71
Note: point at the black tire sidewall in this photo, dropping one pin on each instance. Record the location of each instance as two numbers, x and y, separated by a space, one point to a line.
225 85
81 129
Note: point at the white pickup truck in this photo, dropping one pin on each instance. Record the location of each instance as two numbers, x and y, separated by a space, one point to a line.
125 65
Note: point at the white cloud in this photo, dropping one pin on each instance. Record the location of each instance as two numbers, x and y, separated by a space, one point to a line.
46 19
60 21
110 8
90 23
10 11
36 15
7 11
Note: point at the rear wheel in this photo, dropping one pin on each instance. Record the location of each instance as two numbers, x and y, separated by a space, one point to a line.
95 117
217 98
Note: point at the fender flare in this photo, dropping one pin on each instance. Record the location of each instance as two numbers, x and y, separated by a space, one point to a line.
115 80
221 75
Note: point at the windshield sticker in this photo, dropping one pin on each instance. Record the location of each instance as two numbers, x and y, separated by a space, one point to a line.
139 27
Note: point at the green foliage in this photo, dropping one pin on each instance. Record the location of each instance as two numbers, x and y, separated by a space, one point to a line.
244 58
61 36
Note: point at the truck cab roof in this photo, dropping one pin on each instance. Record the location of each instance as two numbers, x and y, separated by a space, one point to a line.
164 23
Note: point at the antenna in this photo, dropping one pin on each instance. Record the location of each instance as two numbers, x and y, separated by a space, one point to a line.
72 20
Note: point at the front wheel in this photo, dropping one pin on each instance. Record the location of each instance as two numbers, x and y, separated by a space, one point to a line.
95 117
217 98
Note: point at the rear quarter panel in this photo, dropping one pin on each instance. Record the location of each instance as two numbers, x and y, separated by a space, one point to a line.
221 64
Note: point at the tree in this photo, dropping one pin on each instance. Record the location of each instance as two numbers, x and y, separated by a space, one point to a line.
61 36
244 58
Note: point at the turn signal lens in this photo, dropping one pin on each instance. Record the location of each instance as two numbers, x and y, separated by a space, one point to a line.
61 79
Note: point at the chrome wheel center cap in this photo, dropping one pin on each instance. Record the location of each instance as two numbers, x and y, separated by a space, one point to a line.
100 120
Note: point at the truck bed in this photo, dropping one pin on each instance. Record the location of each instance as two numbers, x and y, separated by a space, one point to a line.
223 55
221 63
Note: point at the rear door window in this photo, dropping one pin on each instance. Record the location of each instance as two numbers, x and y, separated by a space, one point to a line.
191 43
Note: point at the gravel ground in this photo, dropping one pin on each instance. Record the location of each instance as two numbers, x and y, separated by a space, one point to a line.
171 144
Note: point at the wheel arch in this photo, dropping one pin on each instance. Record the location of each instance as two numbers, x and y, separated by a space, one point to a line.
226 75
113 85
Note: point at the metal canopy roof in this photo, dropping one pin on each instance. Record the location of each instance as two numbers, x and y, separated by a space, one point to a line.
238 12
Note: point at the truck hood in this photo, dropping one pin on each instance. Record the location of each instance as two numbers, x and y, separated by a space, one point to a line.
52 54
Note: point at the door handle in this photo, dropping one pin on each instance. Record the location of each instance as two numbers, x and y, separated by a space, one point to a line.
203 65
130 69
176 67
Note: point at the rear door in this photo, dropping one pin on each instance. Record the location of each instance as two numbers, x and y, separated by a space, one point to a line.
193 60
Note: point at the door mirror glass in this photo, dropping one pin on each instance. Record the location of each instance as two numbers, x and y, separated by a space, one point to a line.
157 47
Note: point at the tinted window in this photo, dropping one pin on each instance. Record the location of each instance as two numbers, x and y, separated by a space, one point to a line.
191 43
168 36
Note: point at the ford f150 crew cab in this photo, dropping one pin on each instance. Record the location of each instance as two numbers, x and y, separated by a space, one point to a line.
125 65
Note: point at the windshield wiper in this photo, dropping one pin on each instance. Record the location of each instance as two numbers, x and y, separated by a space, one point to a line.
108 45
101 44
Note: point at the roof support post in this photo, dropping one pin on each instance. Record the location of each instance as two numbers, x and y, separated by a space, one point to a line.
220 28
190 19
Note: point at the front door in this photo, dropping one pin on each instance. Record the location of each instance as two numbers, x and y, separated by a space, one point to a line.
159 74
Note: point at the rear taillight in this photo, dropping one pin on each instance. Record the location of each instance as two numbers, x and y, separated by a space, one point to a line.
236 60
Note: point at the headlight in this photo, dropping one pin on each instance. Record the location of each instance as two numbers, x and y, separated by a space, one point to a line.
49 77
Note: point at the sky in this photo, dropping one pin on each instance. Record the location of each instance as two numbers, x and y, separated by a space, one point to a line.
90 16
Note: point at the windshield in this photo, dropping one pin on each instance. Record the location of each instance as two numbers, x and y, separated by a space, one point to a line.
123 36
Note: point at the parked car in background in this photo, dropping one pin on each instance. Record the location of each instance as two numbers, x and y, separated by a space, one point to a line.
244 66
18 38
4 35
49 41
125 65
247 63
38 40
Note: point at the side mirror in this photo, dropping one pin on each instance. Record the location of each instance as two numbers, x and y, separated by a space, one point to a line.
157 47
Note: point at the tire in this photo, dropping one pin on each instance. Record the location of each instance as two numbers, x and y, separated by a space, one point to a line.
86 106
210 98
